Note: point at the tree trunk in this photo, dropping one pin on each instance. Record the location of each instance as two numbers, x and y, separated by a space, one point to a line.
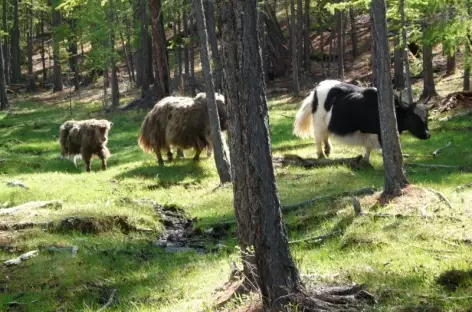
221 159
300 24
398 79
294 44
130 51
215 55
186 60
137 31
3 84
43 50
127 54
179 57
29 38
352 17
115 92
429 88
149 62
15 46
406 62
6 54
73 53
144 48
395 179
340 43
161 87
451 64
56 20
256 200
307 40
322 61
330 54
192 57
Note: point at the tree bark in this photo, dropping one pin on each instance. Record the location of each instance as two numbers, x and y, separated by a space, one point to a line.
144 48
300 24
127 54
15 46
73 52
406 62
395 179
56 20
352 17
294 44
215 55
115 91
3 84
429 87
6 54
186 59
451 64
192 57
398 79
221 159
256 201
307 40
29 38
137 31
467 58
43 50
340 43
161 87
130 51
179 56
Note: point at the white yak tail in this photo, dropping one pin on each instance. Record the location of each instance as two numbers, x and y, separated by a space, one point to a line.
303 125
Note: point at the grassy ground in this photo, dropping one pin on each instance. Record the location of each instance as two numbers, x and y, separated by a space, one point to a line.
399 258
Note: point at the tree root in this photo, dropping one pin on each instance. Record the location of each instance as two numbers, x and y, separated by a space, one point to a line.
441 197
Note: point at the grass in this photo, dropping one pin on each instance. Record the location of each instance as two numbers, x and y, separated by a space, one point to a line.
399 258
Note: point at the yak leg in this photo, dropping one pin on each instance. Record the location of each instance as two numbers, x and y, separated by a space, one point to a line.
327 145
197 154
87 159
320 136
103 157
169 154
180 153
160 161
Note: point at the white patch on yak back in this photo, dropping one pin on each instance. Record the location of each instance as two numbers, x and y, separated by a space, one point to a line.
321 117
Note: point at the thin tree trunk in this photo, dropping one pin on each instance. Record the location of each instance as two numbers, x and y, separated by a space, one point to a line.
215 55
137 32
73 53
322 61
398 80
15 46
221 159
29 38
307 40
395 179
179 56
6 54
3 84
127 55
56 20
186 59
130 50
340 43
406 62
256 200
300 26
144 48
43 50
352 17
330 54
429 88
161 88
115 92
192 57
294 45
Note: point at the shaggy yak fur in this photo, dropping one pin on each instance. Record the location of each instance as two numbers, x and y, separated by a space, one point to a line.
85 138
182 122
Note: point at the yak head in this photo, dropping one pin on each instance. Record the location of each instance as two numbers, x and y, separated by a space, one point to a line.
412 117
101 131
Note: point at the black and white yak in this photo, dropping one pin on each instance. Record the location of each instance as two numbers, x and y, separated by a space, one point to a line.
350 114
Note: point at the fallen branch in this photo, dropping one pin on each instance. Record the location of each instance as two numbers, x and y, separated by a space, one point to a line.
436 152
109 302
463 187
308 163
359 192
55 204
441 196
316 239
21 258
434 166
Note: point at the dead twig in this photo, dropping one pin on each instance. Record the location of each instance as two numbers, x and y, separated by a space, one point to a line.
441 196
437 166
316 239
109 302
359 192
436 152
308 163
